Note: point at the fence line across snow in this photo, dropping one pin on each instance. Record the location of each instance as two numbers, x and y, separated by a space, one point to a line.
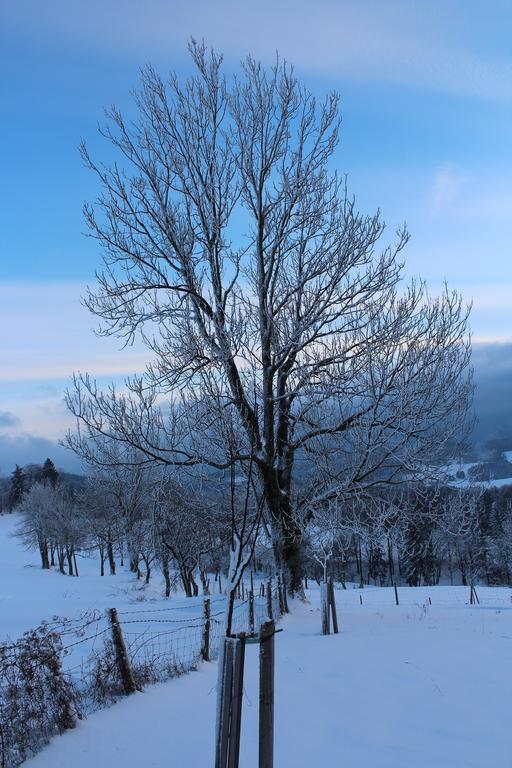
80 657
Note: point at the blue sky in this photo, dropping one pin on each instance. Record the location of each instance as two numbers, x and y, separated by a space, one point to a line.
426 93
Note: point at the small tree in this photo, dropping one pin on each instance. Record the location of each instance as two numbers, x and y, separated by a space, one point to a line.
17 488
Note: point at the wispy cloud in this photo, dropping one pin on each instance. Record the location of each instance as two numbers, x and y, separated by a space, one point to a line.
449 182
48 334
421 45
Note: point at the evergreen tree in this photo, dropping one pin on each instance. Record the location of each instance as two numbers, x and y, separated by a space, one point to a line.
17 487
48 473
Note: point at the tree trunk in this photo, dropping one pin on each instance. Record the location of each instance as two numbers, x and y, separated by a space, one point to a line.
111 558
167 576
69 556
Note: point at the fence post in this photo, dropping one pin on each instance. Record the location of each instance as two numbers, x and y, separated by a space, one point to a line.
285 596
123 665
205 650
324 607
266 731
396 594
269 599
280 594
332 602
251 612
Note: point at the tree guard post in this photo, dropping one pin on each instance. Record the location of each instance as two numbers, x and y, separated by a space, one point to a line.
324 607
229 703
332 602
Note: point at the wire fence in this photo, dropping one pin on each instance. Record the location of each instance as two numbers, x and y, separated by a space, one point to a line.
66 668
499 598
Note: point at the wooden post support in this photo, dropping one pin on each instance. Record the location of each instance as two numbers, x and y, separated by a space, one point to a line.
266 732
361 599
396 594
332 603
229 703
270 612
324 607
205 650
236 701
123 664
224 693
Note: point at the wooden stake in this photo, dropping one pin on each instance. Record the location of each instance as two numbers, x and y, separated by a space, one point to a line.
266 730
205 650
236 701
280 594
270 612
123 664
224 704
285 595
251 612
324 607
332 602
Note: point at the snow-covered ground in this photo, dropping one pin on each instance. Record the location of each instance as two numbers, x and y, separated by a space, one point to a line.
419 684
466 481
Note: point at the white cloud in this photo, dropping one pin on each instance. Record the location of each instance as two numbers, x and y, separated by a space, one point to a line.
449 182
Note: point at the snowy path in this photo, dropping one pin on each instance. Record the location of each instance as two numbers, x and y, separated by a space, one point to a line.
399 687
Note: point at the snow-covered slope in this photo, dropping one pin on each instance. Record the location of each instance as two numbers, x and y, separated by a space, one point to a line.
415 685
29 595
420 684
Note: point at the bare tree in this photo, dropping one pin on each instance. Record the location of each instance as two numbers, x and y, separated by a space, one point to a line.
236 254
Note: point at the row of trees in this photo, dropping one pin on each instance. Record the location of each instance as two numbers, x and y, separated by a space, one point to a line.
420 535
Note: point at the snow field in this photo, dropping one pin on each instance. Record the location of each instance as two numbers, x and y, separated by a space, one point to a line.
417 684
